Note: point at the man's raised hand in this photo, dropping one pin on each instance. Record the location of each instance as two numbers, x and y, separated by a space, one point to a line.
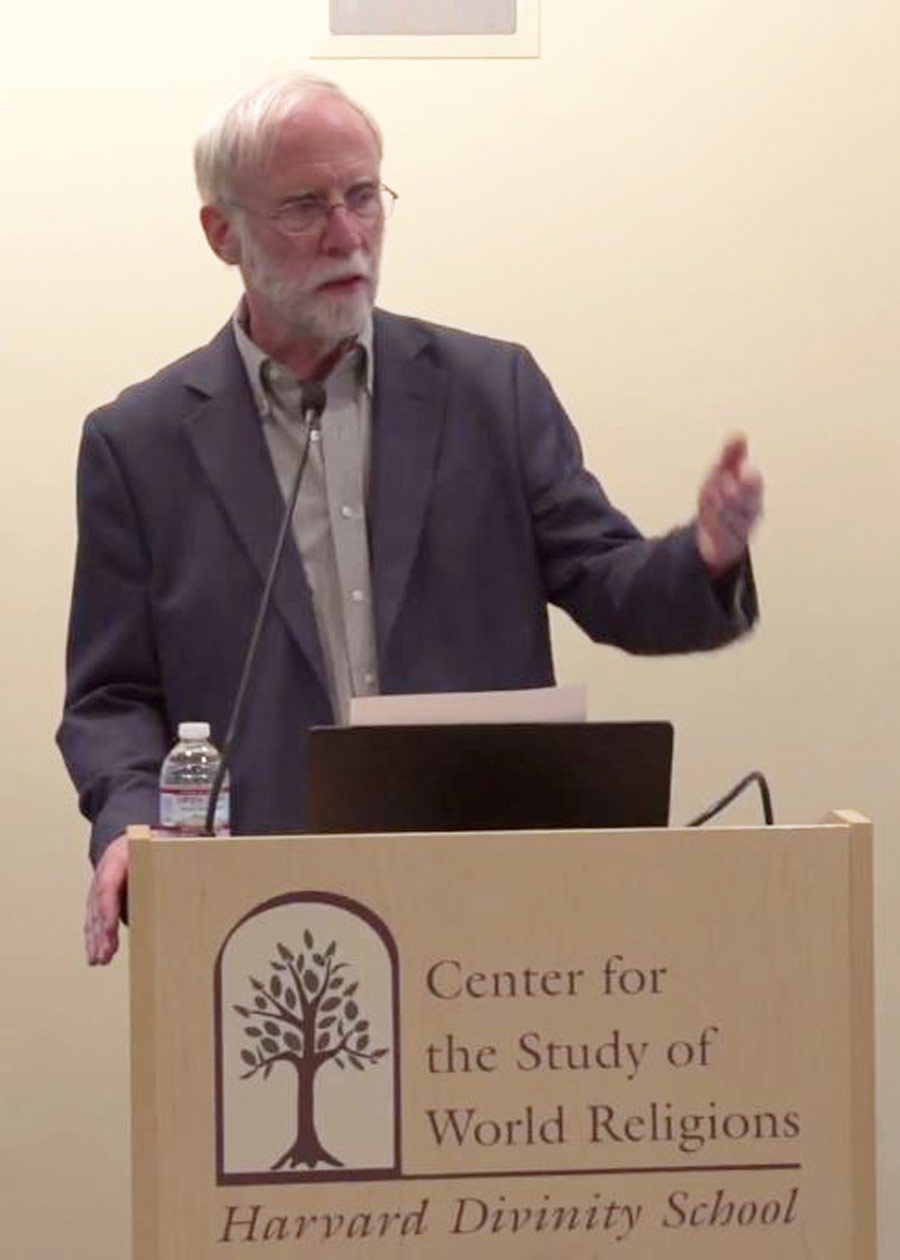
728 507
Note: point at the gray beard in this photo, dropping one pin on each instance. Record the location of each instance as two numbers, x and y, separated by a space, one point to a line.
324 316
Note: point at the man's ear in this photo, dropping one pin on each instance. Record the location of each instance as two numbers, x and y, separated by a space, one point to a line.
221 234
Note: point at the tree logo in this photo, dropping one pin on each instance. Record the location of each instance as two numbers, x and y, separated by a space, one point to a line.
306 1057
306 1017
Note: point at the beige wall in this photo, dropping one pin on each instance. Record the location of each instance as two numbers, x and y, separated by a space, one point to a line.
687 208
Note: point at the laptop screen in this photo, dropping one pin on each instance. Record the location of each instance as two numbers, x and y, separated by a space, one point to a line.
507 777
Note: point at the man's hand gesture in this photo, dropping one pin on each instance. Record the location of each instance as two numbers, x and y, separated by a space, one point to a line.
728 507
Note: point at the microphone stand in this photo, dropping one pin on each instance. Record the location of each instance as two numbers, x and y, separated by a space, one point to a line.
312 404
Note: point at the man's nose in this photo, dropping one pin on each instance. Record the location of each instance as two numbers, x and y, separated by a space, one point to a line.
342 232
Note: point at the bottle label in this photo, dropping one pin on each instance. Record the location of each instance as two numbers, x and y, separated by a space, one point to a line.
182 811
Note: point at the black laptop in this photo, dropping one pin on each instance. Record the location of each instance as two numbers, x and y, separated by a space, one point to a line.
507 777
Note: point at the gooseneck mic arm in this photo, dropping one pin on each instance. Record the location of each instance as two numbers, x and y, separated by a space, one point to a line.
312 405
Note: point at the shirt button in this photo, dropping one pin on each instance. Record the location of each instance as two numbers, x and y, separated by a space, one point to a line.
369 678
347 512
315 435
357 596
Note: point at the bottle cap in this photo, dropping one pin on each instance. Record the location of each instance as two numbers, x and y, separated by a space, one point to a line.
193 730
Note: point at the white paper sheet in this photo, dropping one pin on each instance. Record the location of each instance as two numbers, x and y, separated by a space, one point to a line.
539 704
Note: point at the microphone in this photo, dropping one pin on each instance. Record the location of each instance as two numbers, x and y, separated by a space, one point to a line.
312 402
312 405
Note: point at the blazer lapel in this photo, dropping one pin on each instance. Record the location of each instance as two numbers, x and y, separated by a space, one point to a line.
408 416
225 432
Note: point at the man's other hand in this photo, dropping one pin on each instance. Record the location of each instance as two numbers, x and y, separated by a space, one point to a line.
105 899
728 507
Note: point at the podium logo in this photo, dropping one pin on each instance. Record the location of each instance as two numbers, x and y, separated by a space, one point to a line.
307 1017
307 1064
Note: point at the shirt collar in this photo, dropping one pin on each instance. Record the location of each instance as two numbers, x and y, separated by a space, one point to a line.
255 359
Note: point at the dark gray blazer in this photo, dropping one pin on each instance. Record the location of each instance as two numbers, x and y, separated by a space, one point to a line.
480 512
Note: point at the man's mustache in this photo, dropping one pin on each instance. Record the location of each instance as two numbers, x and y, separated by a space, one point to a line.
352 269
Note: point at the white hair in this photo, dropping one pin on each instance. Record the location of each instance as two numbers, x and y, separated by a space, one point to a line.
241 134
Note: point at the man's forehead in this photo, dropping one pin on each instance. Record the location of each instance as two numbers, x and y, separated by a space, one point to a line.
320 131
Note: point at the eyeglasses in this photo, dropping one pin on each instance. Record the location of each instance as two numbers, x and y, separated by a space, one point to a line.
301 216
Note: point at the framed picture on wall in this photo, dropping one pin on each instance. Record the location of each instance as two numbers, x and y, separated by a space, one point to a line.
429 28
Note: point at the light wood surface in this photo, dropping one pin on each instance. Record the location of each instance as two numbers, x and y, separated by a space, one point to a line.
644 1028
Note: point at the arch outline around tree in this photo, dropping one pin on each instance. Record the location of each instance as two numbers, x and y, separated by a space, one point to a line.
322 1024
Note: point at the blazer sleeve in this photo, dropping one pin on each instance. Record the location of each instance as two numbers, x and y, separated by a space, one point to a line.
645 595
114 733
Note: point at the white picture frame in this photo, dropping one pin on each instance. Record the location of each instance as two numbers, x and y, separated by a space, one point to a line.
524 42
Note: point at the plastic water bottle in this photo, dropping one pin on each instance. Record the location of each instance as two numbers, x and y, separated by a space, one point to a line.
185 783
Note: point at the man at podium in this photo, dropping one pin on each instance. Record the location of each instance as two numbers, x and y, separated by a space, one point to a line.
443 505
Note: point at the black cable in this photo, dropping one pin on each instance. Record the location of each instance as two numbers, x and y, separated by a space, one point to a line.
755 776
312 405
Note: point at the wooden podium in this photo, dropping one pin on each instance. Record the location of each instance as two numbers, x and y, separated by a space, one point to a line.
653 1044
